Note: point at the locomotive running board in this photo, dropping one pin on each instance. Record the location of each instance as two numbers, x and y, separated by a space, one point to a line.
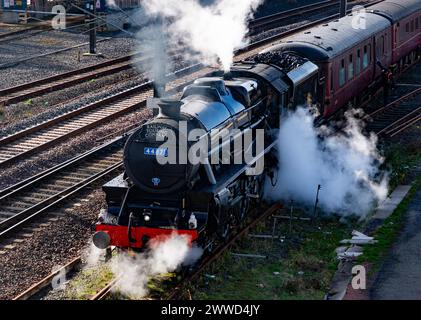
231 174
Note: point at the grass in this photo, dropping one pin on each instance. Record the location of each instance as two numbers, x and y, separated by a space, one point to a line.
299 268
401 158
91 280
387 234
88 282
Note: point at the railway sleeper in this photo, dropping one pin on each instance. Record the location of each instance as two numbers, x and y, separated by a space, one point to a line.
63 183
29 145
13 148
13 210
35 198
6 214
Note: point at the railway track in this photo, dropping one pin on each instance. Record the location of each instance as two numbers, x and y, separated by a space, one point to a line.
38 87
39 27
398 115
275 20
47 281
64 80
41 136
12 34
274 38
30 199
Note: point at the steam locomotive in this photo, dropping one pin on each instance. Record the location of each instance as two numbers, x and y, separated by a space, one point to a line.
324 68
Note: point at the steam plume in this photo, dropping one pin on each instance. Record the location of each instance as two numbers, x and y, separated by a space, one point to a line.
213 31
153 42
345 165
111 4
134 272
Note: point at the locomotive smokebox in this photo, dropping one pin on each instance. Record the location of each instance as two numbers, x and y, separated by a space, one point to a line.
169 108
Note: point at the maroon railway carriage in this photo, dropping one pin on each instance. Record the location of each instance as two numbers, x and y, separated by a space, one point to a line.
347 52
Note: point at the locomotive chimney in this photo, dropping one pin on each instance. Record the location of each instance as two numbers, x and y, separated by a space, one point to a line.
227 75
158 89
169 108
342 8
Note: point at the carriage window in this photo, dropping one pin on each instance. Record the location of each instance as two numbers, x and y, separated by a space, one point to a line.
358 62
350 67
369 53
407 27
417 23
383 44
331 80
365 59
342 73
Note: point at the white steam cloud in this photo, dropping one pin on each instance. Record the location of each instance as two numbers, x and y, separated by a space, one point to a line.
92 255
346 165
166 256
111 4
213 31
153 42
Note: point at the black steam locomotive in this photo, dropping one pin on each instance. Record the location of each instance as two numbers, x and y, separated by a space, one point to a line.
203 199
325 68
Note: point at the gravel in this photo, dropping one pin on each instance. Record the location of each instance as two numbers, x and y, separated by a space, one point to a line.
49 247
67 150
23 115
41 67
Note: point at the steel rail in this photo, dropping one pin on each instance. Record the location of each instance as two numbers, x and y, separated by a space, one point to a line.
258 24
36 288
80 172
404 116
